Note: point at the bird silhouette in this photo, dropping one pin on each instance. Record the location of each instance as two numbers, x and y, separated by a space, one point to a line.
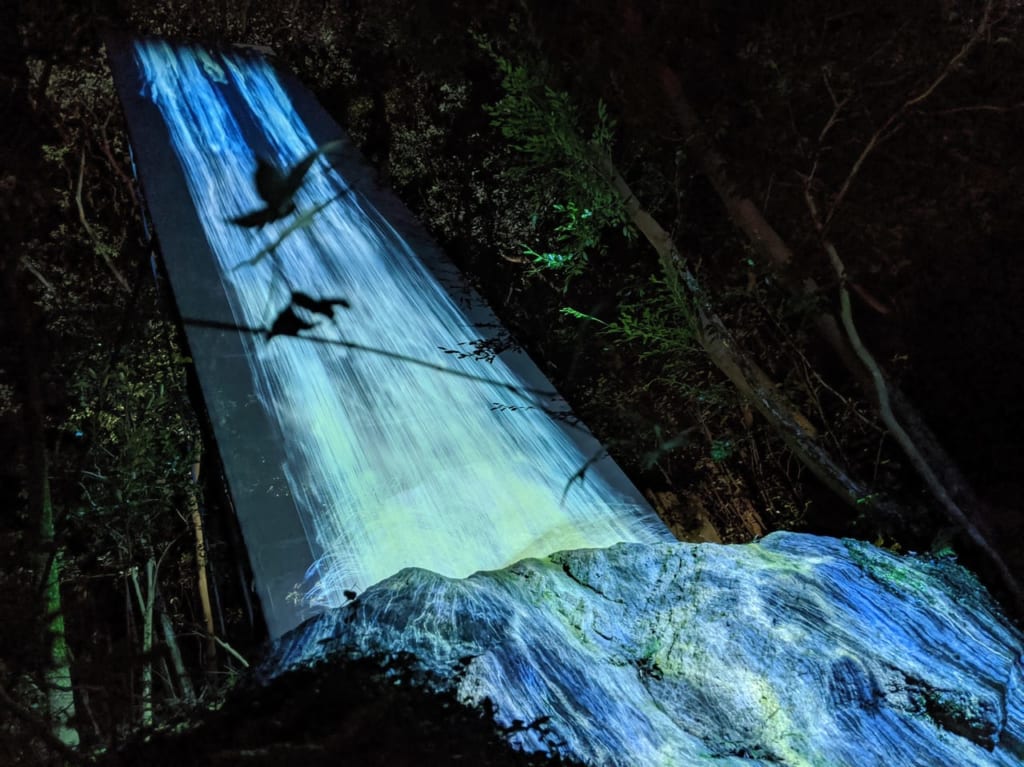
277 188
288 323
324 306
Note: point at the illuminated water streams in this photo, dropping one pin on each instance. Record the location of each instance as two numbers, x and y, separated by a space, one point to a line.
390 464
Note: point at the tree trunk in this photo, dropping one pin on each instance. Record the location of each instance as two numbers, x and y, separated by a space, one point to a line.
146 604
750 221
184 682
60 694
752 224
203 584
751 381
939 472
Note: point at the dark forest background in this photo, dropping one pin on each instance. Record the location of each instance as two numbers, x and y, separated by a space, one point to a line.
773 255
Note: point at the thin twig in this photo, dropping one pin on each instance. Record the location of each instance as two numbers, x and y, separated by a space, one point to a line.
832 120
880 135
30 267
92 234
979 108
105 146
837 107
764 202
869 299
231 650
974 528
980 31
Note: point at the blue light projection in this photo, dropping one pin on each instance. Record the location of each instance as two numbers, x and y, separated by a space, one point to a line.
396 454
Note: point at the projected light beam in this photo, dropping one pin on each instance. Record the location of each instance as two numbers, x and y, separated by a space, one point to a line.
390 464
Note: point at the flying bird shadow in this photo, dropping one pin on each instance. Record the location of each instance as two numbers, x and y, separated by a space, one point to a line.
289 322
277 188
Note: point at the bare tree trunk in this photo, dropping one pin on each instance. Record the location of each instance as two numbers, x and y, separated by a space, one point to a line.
751 381
201 569
170 638
904 422
43 539
146 604
60 694
751 222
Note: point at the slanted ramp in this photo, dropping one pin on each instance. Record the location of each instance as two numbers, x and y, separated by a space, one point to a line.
334 344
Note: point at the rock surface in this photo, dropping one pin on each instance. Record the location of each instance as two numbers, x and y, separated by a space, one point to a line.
796 650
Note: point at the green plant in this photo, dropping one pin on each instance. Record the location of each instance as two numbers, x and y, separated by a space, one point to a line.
661 326
654 319
140 435
139 439
566 180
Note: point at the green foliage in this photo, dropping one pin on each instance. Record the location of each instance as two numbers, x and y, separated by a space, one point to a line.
561 170
652 319
721 449
656 321
567 172
575 313
664 331
135 419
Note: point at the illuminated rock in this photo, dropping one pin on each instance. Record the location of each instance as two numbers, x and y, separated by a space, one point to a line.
797 650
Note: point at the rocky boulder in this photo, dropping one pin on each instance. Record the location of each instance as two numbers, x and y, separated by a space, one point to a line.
795 650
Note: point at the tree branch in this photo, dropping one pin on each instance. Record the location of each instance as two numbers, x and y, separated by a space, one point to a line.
105 146
92 234
879 136
723 350
974 528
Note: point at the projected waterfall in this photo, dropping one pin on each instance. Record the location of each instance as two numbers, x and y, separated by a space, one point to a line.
394 452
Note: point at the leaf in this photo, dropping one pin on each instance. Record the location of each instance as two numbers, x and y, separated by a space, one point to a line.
568 310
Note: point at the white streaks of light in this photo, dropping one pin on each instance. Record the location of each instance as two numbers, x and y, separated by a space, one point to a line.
390 464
